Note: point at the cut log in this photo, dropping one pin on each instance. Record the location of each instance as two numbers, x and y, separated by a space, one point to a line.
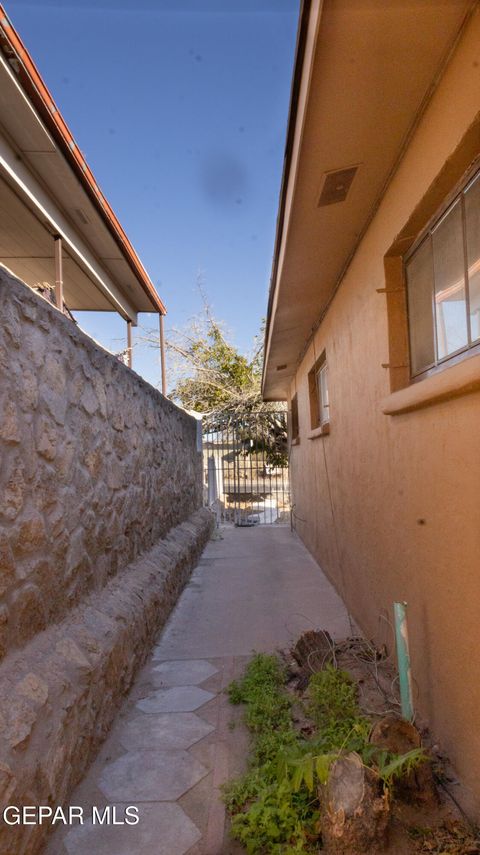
395 734
313 650
399 736
355 809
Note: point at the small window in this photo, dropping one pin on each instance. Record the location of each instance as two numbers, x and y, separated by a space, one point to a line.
318 388
443 284
294 426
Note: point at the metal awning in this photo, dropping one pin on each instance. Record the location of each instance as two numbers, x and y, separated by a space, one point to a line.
47 189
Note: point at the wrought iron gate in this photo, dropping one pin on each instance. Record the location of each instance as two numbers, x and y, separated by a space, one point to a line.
246 467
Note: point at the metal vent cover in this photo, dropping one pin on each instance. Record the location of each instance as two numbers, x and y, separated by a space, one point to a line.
336 185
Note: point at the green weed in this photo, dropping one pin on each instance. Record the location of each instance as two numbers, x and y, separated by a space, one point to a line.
274 806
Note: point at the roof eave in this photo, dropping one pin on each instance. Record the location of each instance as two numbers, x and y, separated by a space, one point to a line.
32 83
298 68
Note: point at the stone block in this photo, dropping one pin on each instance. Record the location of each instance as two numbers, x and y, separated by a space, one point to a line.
11 502
28 387
54 373
11 324
166 731
147 775
29 535
35 345
65 460
184 672
73 654
56 405
114 474
75 386
28 613
7 784
117 419
7 565
17 718
163 829
33 688
76 551
98 384
43 574
89 400
46 439
94 461
9 428
176 699
56 519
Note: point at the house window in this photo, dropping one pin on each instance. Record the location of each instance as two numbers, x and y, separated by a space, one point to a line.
294 426
318 389
443 284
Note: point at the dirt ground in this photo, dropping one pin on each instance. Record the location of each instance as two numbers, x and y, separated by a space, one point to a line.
438 827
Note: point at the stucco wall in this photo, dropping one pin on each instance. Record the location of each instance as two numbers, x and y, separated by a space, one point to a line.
95 465
392 503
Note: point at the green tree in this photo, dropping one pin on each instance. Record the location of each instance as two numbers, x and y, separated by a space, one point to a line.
210 376
218 379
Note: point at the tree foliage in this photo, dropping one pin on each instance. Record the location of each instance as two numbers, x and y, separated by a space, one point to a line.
207 373
210 376
218 378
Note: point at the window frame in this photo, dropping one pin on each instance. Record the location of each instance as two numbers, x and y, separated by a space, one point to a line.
294 420
473 346
317 404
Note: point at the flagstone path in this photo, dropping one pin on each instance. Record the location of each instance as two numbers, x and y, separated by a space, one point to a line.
177 739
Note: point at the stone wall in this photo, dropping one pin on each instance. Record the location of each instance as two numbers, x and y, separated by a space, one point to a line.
95 465
100 526
59 695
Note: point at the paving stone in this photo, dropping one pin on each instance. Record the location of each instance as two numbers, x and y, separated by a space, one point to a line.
148 775
185 672
163 829
177 699
168 730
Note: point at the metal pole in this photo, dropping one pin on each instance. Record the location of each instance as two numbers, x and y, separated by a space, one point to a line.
403 657
162 357
58 273
129 344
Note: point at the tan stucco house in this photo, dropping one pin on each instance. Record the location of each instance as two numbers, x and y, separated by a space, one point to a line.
373 332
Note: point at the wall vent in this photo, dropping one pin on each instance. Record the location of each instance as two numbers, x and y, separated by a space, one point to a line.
336 186
281 367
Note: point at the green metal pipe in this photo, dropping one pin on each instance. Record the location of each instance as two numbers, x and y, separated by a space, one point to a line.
403 659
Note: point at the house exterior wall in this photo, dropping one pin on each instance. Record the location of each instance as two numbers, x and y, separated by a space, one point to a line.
390 505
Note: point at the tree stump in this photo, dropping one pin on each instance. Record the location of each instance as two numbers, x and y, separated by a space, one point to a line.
355 809
312 652
399 736
313 649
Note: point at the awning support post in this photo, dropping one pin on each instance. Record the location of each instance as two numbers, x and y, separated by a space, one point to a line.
129 344
58 273
162 356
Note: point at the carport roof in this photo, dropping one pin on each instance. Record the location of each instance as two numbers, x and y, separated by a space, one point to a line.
47 147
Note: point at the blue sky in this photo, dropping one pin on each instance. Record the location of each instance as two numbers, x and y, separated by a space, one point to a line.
180 107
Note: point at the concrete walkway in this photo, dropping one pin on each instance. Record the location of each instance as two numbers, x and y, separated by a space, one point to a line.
177 739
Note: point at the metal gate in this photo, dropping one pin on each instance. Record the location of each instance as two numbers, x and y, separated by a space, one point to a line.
246 467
